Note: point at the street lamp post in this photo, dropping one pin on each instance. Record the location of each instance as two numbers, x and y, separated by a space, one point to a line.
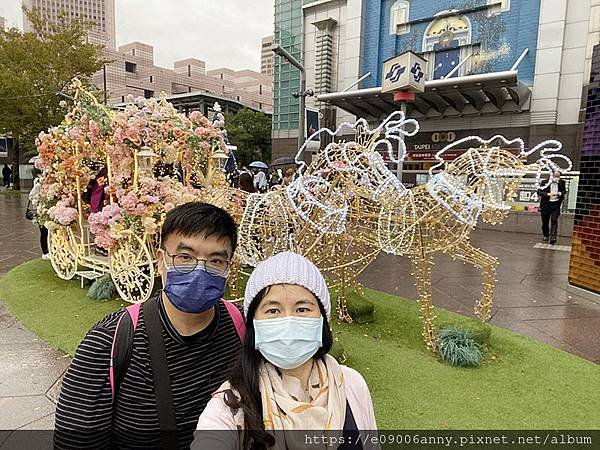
279 50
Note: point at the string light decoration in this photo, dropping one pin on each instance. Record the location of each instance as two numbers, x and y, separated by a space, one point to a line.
341 211
438 217
328 212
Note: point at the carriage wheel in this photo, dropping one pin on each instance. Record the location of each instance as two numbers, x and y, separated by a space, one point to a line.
63 252
132 268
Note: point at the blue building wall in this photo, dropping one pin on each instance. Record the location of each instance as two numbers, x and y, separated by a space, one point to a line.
512 30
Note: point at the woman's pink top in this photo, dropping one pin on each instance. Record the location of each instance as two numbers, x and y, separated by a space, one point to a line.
97 198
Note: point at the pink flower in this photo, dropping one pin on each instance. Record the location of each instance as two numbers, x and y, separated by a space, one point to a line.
103 238
129 202
133 134
75 133
195 116
200 131
94 130
65 215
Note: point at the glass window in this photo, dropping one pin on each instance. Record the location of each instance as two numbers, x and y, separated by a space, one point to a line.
446 42
399 17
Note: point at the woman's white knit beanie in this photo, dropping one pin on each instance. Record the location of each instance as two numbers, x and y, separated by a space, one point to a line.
287 268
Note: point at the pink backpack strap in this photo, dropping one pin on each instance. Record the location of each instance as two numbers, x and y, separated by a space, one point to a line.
134 314
236 317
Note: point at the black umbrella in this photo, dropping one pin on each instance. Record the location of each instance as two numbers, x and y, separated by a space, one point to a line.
283 161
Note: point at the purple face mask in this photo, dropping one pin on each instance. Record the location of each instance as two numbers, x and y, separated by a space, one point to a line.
194 292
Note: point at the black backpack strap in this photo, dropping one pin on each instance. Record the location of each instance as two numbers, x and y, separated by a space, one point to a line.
160 375
121 351
351 432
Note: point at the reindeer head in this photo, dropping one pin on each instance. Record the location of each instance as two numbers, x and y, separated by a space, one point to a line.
490 174
347 169
360 160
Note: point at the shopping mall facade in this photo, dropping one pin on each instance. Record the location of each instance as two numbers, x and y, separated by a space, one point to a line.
517 68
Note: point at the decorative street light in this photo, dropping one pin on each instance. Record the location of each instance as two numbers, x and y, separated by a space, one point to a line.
220 159
144 159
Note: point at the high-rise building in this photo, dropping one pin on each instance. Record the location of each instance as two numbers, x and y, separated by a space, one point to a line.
492 67
2 23
131 70
101 13
266 56
286 78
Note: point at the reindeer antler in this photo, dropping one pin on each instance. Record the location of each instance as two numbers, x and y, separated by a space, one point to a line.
481 141
546 163
346 125
392 128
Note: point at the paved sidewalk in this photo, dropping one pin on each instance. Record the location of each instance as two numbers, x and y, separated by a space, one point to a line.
30 369
530 298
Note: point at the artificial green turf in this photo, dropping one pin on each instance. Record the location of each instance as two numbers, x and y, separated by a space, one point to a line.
57 311
522 384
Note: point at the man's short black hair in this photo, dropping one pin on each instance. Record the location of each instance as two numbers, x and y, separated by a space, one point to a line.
199 219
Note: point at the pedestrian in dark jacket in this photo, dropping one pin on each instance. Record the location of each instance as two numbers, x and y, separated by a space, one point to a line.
246 182
551 199
6 174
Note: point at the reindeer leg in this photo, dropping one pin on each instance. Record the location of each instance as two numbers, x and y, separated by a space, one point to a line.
487 263
422 273
342 301
234 278
342 307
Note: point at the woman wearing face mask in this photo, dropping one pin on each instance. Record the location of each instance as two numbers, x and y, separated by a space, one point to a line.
284 381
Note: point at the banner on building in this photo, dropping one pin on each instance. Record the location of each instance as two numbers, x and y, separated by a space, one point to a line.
3 147
312 126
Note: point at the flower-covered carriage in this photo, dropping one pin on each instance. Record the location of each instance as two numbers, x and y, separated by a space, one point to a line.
155 159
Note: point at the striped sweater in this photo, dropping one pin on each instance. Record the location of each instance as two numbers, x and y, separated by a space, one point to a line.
198 364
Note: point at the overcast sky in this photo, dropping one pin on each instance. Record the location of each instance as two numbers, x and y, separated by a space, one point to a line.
224 33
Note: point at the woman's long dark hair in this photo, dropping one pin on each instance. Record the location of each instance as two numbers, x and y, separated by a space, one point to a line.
246 182
244 379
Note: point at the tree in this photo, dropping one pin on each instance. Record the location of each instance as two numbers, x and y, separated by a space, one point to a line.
35 66
250 131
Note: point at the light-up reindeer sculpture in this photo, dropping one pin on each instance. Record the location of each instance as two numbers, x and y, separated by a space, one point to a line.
440 215
327 213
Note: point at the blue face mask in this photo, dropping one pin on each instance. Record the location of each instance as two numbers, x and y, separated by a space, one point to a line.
194 292
288 342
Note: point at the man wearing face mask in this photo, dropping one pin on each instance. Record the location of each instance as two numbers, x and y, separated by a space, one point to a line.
178 352
551 199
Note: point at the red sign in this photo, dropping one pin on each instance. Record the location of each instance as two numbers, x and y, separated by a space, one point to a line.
429 155
425 155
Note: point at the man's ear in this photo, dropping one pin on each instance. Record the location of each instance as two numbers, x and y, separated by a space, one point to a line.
160 260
